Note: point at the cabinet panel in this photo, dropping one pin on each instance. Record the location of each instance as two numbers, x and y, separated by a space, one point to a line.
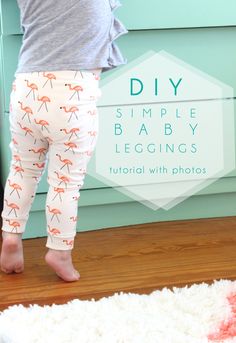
151 14
10 46
10 18
212 50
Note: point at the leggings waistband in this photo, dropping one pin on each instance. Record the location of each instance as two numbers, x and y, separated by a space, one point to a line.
81 74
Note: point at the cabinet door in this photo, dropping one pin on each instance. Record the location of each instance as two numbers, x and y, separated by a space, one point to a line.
159 14
211 50
151 14
10 18
10 46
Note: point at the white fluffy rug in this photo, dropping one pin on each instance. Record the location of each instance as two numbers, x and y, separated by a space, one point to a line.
197 314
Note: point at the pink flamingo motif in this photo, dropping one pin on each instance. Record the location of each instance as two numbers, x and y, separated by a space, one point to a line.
76 198
71 146
13 207
15 224
49 140
92 134
58 191
14 86
17 158
74 219
36 139
14 141
71 110
27 111
55 212
40 151
72 131
40 166
97 77
68 242
77 73
16 187
49 77
43 124
89 152
19 170
33 87
26 129
54 231
76 89
66 162
92 113
63 178
44 100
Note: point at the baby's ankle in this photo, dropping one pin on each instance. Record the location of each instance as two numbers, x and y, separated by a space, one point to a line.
61 253
6 234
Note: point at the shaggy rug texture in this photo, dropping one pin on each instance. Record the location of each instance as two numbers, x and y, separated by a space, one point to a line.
195 314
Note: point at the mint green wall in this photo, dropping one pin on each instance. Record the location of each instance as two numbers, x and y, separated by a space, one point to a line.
183 29
163 14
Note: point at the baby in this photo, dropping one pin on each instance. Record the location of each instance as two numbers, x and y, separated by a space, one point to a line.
54 119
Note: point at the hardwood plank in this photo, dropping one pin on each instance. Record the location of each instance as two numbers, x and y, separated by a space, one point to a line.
136 258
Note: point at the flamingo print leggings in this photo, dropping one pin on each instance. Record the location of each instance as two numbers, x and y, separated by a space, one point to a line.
53 121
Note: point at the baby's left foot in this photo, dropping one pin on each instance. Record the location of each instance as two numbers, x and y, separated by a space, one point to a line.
12 259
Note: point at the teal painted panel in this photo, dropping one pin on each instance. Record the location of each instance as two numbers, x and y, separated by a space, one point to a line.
10 17
159 14
112 195
208 49
100 216
213 50
2 96
151 14
10 46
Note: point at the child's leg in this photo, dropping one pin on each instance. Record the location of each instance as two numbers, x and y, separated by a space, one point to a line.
26 169
74 128
67 167
69 154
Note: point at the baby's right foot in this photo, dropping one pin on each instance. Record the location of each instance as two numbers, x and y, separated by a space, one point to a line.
12 259
61 262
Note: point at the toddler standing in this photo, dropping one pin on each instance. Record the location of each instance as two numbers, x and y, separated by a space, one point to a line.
54 119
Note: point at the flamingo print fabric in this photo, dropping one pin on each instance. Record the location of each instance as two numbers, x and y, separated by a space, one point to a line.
53 122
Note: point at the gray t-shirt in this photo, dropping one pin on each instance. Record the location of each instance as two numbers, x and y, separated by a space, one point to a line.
69 35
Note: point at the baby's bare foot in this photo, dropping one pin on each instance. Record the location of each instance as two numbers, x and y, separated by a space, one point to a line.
61 262
12 259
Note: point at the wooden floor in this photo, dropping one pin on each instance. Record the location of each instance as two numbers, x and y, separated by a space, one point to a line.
138 259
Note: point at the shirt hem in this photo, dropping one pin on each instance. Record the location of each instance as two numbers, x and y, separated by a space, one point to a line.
74 67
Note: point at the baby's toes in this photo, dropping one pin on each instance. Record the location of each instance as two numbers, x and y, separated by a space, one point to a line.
19 269
6 270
